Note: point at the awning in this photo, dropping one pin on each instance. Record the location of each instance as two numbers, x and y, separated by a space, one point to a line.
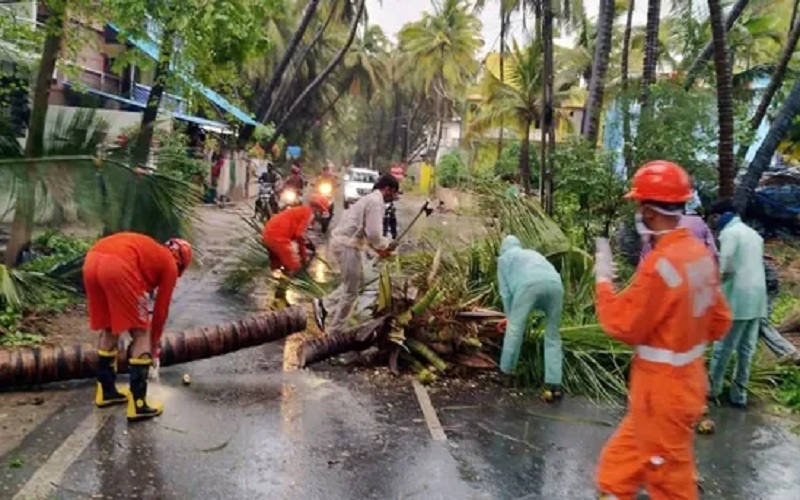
151 49
205 124
210 125
113 97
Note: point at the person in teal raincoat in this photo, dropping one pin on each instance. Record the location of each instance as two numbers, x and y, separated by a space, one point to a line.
529 282
744 285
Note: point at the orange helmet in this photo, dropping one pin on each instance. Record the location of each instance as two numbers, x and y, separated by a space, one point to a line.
321 201
182 250
661 181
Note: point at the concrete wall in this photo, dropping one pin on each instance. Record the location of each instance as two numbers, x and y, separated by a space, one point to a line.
117 120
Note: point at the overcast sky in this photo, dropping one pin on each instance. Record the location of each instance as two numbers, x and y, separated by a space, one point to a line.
391 15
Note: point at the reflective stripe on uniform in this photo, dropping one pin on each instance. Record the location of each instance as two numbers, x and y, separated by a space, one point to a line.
668 273
668 357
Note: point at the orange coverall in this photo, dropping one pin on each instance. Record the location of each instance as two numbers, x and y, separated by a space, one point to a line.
118 273
281 231
670 312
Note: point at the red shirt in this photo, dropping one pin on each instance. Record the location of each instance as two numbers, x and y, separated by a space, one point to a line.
154 262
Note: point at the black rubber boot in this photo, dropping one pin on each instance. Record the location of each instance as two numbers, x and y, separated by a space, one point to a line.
107 393
138 406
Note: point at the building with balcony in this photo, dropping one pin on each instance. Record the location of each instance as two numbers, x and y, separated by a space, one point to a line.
91 78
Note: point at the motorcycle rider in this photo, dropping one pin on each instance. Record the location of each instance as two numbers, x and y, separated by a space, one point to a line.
269 178
270 175
295 179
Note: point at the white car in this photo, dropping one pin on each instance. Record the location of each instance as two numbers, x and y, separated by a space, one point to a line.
358 183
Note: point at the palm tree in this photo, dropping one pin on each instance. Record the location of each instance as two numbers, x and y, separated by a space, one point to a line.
726 159
322 76
778 74
519 99
624 65
441 50
25 206
265 101
708 50
605 25
651 46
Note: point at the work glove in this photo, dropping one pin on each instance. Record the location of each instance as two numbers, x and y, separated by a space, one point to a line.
385 253
604 269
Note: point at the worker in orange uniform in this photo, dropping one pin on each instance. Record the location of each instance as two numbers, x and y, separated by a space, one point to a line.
284 237
118 273
671 311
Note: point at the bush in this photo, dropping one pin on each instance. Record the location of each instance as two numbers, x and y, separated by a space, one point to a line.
507 166
588 191
452 171
681 127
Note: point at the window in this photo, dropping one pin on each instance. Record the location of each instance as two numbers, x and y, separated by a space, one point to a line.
363 177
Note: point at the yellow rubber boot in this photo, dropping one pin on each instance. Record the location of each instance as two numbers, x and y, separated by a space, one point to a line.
138 406
107 392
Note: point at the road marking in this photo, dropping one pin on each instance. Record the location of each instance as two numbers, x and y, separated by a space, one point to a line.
40 485
428 411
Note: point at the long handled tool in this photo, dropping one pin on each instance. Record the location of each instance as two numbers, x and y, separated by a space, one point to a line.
425 209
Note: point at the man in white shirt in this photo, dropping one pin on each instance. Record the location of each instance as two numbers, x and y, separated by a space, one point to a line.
361 227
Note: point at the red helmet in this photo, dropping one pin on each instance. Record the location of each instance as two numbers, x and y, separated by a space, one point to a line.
661 181
320 201
182 250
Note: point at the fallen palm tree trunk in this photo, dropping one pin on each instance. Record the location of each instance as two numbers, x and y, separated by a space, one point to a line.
354 339
791 323
47 364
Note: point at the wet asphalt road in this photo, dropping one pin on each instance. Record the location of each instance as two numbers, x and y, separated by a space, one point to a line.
245 429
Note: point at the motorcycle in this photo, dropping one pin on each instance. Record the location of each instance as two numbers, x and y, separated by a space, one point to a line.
266 203
324 190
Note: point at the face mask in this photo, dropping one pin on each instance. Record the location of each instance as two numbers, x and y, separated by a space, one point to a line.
644 231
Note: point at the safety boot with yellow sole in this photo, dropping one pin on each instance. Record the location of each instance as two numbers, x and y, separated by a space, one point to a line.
138 406
107 392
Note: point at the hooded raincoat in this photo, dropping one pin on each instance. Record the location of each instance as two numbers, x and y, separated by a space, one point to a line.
529 282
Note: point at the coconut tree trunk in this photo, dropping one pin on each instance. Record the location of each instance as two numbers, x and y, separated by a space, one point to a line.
141 150
708 50
25 197
605 24
355 339
322 76
777 76
503 27
727 160
650 48
525 159
286 83
548 122
277 75
42 365
627 148
763 158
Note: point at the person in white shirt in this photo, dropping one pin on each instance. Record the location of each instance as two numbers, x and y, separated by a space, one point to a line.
360 228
